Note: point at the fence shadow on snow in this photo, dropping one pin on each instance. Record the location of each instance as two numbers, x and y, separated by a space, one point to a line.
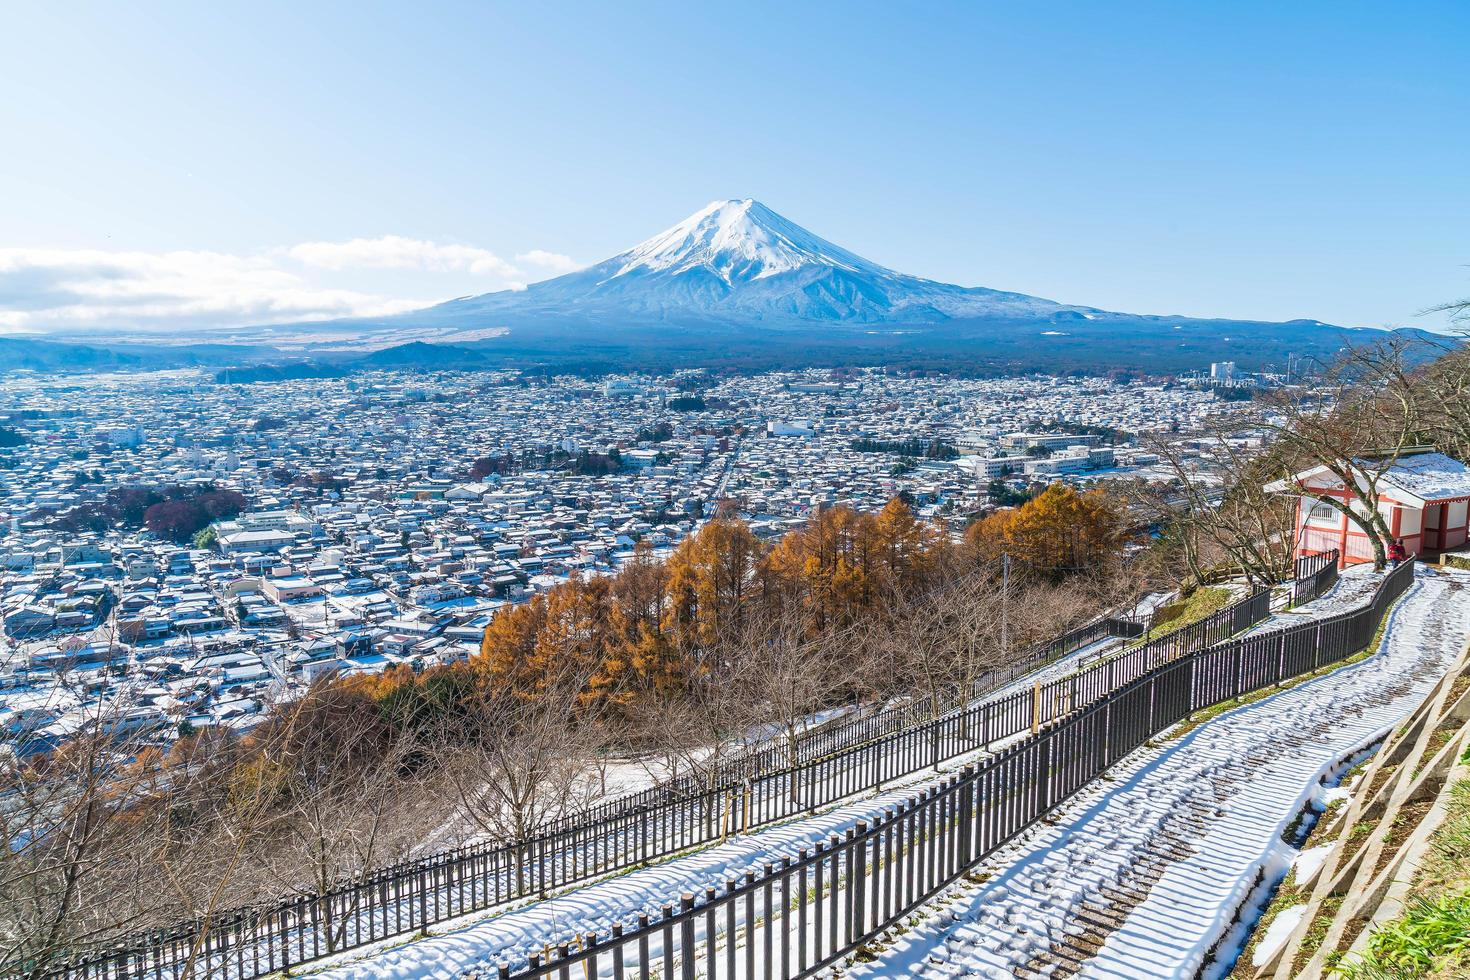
1001 797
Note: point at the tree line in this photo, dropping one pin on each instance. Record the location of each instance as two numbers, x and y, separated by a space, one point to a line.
911 447
174 511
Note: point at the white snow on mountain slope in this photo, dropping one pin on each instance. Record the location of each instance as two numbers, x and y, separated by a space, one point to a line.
1141 875
738 241
738 260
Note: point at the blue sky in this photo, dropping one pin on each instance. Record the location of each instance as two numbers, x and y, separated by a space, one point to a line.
197 164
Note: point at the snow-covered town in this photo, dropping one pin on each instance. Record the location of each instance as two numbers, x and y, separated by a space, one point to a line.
383 518
777 491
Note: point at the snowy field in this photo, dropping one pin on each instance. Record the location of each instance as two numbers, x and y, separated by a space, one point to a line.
1143 873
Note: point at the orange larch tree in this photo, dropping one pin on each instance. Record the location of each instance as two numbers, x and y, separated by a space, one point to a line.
1059 531
710 575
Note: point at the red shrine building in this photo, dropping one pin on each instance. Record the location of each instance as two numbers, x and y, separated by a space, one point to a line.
1424 500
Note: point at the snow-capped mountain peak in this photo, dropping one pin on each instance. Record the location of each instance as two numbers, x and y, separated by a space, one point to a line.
737 261
737 241
737 284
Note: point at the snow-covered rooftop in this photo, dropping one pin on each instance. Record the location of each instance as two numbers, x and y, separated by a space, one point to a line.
1430 476
1425 477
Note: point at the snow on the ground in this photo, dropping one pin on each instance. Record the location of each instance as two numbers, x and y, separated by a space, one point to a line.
1277 933
488 937
1308 862
1142 874
1352 590
1076 660
630 775
1150 602
508 936
497 935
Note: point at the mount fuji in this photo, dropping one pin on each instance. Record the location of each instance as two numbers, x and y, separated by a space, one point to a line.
737 284
740 261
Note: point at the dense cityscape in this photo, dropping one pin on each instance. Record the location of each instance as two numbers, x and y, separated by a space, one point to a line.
187 552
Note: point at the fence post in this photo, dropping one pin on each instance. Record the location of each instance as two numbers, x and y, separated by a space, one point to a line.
1036 707
859 879
423 913
967 816
686 935
1043 772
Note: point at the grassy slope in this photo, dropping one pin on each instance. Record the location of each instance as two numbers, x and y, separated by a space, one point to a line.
1432 938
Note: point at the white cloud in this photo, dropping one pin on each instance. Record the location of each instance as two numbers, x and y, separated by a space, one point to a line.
551 261
397 252
44 289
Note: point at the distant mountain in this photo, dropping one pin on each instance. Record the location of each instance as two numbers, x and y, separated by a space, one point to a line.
736 285
739 261
421 355
413 356
28 354
32 354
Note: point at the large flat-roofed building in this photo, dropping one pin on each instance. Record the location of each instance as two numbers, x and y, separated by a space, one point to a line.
234 542
1023 441
284 588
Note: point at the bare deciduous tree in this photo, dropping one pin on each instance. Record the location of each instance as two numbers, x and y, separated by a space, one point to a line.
513 765
1217 507
1356 423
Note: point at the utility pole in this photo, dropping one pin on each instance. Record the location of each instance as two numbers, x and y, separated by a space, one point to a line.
1005 619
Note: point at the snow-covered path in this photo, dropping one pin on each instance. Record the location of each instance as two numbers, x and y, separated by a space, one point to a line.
478 941
510 935
493 936
1142 874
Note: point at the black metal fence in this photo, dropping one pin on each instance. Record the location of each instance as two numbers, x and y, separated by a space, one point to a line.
810 909
1313 576
849 732
849 759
